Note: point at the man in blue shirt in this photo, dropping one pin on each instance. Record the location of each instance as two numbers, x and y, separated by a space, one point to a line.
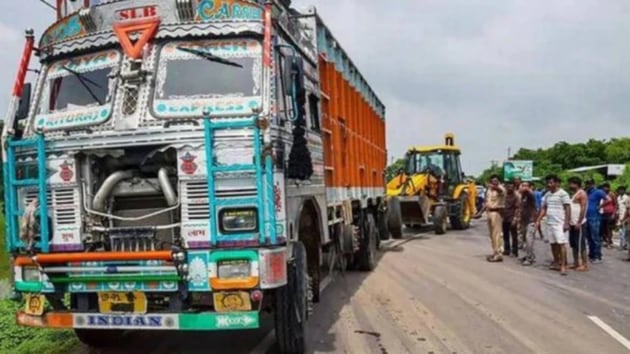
538 197
593 220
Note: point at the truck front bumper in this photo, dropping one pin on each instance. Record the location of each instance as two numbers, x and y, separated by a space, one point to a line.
204 321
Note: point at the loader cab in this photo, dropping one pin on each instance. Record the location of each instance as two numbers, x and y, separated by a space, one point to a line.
439 162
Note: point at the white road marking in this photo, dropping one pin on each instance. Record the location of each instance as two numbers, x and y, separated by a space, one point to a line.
270 339
618 337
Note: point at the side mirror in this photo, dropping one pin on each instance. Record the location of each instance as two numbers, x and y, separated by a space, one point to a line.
25 102
294 74
294 82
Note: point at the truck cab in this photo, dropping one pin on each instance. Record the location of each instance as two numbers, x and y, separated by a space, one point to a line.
172 168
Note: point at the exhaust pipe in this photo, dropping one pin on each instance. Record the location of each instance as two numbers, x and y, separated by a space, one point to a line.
100 199
167 188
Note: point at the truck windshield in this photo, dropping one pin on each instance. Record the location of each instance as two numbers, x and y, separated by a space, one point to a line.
187 74
80 89
79 82
420 162
201 78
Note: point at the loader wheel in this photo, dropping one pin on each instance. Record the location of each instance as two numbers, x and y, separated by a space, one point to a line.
440 220
383 232
460 220
292 302
394 218
368 247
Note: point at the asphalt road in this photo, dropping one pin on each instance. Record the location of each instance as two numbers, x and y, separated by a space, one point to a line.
437 294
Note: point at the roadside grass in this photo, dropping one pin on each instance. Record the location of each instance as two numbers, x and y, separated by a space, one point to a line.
4 258
15 339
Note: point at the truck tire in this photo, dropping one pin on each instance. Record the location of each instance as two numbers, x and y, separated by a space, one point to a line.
440 219
368 247
460 220
100 338
383 231
291 307
394 218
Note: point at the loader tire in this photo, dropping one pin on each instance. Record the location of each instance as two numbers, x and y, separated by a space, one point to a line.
440 219
460 220
383 230
394 218
291 307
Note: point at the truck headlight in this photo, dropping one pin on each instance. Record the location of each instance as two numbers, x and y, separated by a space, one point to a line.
31 274
238 220
234 269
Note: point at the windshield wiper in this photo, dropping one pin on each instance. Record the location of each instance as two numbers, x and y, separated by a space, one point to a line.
84 82
210 57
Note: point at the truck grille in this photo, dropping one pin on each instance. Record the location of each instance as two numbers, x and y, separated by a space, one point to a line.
194 196
63 202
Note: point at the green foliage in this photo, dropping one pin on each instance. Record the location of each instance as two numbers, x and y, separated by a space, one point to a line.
623 180
563 156
23 340
485 176
4 257
392 170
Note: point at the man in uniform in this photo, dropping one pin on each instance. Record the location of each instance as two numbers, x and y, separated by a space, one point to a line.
510 224
495 203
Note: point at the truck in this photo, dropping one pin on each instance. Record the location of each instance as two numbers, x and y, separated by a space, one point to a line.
187 165
431 190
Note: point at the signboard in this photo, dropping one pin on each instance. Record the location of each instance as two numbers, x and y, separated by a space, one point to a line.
522 169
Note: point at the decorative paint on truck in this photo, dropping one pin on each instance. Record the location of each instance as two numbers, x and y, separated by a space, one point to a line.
226 162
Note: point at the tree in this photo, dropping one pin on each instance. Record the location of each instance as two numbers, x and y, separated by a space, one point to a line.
563 156
392 170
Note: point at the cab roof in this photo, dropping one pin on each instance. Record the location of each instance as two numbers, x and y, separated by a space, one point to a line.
433 148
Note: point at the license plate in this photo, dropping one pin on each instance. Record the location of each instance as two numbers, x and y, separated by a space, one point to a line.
34 304
131 302
232 301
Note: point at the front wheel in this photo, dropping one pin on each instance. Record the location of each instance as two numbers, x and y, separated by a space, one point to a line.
440 219
462 213
291 305
394 218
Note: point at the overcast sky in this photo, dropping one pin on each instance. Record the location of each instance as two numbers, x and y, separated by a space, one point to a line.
497 73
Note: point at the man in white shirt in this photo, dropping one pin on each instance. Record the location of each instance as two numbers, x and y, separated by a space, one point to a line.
622 205
557 208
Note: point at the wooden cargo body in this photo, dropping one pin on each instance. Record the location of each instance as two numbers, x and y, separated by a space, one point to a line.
353 125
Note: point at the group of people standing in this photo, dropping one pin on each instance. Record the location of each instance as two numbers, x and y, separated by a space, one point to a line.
584 219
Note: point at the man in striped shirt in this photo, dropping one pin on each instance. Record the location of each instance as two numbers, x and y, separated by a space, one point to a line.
557 208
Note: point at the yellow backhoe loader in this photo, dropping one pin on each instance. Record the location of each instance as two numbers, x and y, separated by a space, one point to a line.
431 190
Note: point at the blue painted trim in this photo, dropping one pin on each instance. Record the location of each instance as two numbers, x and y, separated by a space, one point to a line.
264 183
271 205
7 199
236 202
259 182
11 202
211 186
43 197
234 168
26 182
12 184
